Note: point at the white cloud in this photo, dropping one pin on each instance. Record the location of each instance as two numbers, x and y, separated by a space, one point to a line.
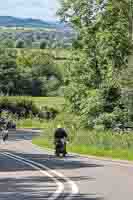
44 9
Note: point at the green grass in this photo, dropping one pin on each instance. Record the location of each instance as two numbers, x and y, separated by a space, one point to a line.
101 152
89 142
56 102
59 54
117 153
30 123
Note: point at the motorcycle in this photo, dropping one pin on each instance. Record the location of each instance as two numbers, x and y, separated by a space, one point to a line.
11 125
4 134
60 147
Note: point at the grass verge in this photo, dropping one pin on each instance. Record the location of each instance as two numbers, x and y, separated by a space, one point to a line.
89 150
88 142
30 123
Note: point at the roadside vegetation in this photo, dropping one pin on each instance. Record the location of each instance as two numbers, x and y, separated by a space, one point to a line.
106 143
98 86
89 86
28 112
90 142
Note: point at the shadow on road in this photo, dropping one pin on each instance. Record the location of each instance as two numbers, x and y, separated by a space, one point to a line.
53 162
28 187
34 188
38 188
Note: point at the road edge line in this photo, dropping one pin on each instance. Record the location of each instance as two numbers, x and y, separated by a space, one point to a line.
60 186
74 187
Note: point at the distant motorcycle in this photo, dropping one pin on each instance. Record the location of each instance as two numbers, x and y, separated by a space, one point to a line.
11 125
4 134
60 147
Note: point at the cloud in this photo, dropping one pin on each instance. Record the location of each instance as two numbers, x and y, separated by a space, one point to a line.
43 9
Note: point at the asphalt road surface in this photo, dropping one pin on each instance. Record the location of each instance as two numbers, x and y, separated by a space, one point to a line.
30 173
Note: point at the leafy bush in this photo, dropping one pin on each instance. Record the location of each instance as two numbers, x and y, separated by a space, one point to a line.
25 108
20 44
99 62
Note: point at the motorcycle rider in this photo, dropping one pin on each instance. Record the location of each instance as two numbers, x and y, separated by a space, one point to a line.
4 132
59 134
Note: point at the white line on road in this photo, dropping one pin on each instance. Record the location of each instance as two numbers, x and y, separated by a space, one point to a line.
60 186
74 188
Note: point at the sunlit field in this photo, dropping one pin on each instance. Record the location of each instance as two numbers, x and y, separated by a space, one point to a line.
41 101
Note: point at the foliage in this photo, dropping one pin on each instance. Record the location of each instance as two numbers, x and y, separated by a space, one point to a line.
32 37
93 76
28 73
84 141
8 43
43 44
25 108
20 44
8 72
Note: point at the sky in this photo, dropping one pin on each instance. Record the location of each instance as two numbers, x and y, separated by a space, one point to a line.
41 9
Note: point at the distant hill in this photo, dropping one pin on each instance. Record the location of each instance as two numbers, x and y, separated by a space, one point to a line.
9 21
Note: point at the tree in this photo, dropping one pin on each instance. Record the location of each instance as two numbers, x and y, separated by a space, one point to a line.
20 44
43 44
129 71
92 75
36 68
131 21
28 43
8 73
8 43
28 73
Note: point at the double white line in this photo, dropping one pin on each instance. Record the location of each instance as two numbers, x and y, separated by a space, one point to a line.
49 173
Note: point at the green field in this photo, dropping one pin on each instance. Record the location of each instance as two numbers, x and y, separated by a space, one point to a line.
59 54
22 29
57 102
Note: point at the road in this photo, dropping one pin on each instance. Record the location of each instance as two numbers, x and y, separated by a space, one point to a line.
30 173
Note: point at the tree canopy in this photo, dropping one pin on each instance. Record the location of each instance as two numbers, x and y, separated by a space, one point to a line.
93 79
28 73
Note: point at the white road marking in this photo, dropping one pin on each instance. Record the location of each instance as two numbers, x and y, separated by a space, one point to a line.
74 188
60 186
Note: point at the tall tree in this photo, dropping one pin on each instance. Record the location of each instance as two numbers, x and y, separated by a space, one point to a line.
103 31
20 44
